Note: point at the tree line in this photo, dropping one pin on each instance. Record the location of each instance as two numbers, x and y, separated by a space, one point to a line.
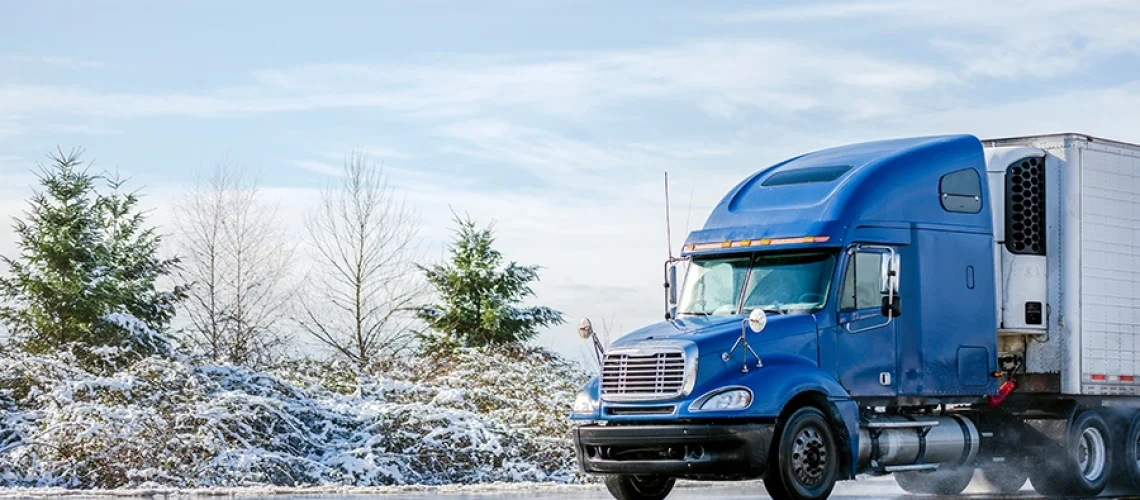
88 280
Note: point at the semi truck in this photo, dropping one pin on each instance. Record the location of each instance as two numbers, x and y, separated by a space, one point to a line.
932 308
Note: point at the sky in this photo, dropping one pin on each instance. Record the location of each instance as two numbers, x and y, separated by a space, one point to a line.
554 120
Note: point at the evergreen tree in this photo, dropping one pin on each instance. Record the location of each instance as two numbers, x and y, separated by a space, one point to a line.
85 276
481 296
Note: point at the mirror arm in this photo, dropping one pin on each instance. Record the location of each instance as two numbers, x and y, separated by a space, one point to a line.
599 351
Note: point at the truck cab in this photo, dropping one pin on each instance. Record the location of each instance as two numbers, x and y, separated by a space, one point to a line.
840 314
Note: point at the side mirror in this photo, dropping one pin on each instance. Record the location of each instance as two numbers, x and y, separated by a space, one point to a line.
889 270
892 306
672 284
757 320
585 328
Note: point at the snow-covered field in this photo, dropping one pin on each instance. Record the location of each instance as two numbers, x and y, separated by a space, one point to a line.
322 491
476 417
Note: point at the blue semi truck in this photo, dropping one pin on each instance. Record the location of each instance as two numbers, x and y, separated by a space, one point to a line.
927 307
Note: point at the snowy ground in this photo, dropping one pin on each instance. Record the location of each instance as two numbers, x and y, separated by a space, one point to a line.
863 489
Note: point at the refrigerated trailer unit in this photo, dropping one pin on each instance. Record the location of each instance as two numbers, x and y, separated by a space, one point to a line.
1077 251
922 307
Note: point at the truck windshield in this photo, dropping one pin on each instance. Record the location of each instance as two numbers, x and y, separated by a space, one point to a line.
777 283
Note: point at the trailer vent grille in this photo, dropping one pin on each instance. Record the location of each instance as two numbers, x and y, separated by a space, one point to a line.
659 375
1025 207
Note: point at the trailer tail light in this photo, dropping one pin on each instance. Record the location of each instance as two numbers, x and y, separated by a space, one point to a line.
1099 377
1127 378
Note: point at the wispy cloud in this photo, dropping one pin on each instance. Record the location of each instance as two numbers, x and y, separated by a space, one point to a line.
719 75
320 167
375 153
982 38
70 63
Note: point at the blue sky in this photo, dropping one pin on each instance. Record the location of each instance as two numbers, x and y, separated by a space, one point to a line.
554 119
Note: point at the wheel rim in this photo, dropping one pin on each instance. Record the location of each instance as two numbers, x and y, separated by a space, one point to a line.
809 456
1091 454
1136 451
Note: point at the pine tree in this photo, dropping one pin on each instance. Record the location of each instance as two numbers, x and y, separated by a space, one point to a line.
481 296
86 271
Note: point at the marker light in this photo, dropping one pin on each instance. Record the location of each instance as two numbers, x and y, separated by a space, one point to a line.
755 243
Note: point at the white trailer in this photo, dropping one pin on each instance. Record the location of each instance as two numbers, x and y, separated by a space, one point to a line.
1067 256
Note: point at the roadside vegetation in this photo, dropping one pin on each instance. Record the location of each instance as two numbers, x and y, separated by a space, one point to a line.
124 369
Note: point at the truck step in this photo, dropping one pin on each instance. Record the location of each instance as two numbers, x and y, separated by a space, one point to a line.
910 468
901 425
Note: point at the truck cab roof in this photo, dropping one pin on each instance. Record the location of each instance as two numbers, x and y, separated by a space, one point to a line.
824 197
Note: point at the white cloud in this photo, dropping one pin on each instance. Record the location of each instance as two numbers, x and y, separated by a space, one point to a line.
320 167
70 63
719 75
983 38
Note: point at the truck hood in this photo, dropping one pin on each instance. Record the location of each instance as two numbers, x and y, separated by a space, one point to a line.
711 331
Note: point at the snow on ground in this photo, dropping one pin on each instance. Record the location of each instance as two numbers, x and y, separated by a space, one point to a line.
475 417
452 489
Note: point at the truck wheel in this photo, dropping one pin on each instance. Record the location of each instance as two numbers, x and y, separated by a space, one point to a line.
1005 478
624 487
1085 464
1130 456
941 482
804 463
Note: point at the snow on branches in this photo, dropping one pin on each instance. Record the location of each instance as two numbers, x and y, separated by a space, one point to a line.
475 416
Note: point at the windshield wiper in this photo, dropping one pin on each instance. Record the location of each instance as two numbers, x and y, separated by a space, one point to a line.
694 313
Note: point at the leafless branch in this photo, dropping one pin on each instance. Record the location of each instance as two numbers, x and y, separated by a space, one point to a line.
364 240
238 261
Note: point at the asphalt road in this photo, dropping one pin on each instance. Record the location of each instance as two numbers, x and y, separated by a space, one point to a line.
863 489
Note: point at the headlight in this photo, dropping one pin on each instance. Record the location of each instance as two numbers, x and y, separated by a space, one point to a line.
724 400
583 403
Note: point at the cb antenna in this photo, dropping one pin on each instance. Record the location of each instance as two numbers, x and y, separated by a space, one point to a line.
668 223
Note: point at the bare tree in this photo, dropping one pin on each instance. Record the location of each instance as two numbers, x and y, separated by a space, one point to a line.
365 283
238 263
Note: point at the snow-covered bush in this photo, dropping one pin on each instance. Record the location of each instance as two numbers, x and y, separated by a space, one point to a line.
472 416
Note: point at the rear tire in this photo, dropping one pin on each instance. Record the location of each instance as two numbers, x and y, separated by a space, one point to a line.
1005 478
626 487
804 462
1086 460
940 482
1128 456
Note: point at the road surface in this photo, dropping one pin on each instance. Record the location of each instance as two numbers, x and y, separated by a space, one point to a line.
863 489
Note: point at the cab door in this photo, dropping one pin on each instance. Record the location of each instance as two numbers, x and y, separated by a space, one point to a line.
866 359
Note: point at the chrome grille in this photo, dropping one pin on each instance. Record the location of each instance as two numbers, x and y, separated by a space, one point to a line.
635 376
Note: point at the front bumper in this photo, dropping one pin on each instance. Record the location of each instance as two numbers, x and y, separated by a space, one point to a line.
689 451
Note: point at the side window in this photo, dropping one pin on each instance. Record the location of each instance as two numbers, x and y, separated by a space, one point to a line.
961 191
863 282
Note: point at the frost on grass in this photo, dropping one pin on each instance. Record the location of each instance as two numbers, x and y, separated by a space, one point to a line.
476 416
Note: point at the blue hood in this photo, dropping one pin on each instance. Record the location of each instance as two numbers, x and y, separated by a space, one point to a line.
717 333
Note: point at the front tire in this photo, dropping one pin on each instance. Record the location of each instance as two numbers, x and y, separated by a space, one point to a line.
804 463
625 487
